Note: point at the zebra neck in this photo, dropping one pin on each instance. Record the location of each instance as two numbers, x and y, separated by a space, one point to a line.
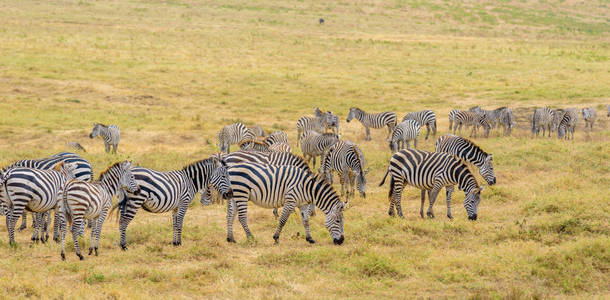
110 182
321 194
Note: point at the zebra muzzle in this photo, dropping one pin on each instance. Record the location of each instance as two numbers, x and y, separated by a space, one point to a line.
473 217
228 194
339 241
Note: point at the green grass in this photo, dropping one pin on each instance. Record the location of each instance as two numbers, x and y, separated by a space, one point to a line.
172 73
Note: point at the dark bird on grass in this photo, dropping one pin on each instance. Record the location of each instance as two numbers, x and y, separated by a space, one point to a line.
76 146
321 21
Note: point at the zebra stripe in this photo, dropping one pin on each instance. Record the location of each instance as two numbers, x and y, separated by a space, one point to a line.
347 160
162 192
233 134
543 118
470 118
316 144
589 115
506 119
424 117
287 186
256 131
319 123
406 131
567 124
254 145
111 135
280 147
377 120
333 120
430 171
84 200
36 190
452 118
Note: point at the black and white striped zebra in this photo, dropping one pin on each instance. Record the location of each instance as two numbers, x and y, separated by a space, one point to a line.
347 160
233 134
473 119
377 120
589 115
173 191
280 147
406 131
287 186
333 120
84 200
430 171
319 123
424 117
111 135
506 119
469 152
542 118
35 190
256 131
567 124
452 118
256 144
316 144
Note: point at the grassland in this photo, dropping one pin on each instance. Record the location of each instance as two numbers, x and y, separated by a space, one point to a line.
171 73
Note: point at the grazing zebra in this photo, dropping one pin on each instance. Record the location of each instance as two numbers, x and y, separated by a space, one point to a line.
406 131
110 134
254 145
506 119
452 118
280 147
319 123
35 190
567 124
83 200
287 186
316 144
276 137
469 152
76 146
173 191
256 131
424 117
333 120
346 159
589 115
233 134
378 120
543 118
430 171
471 118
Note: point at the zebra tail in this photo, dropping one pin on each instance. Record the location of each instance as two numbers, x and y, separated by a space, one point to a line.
534 121
67 212
435 127
384 176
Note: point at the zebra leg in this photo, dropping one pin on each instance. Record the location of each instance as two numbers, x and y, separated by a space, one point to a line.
76 227
242 214
408 144
423 200
449 190
123 223
288 208
305 217
231 219
98 230
37 219
179 219
44 237
114 147
56 223
24 219
107 146
342 182
93 228
432 194
62 234
275 214
368 133
396 199
427 131
312 209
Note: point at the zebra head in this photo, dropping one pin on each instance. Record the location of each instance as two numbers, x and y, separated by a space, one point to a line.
393 145
334 222
561 131
127 180
332 120
351 114
471 202
220 181
96 130
67 169
223 143
487 170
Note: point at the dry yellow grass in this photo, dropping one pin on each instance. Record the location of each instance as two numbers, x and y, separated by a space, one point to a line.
172 73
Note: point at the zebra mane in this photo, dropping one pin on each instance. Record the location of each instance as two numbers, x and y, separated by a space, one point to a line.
252 141
210 160
330 134
108 169
475 146
355 149
103 125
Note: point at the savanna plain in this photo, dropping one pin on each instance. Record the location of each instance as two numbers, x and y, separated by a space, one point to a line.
172 73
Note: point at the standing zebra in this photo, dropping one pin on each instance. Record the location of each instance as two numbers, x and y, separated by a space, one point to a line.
567 124
83 200
469 152
35 190
430 171
319 123
406 131
233 134
543 118
424 117
110 134
506 119
173 191
589 115
452 114
316 144
287 186
332 120
471 118
346 159
378 120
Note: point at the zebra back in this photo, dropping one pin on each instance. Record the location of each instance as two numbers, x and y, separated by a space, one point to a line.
83 167
374 120
469 151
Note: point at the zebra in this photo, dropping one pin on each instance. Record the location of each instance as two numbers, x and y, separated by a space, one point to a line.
333 120
469 152
254 145
287 186
346 159
276 137
424 117
471 118
567 124
256 131
35 190
76 146
173 191
589 115
316 144
110 134
543 118
430 171
280 147
506 119
406 131
378 120
319 123
452 117
233 134
83 200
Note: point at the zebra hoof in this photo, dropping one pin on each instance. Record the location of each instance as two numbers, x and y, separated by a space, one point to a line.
63 256
90 250
310 240
22 227
80 256
430 215
230 240
276 239
450 217
123 247
95 250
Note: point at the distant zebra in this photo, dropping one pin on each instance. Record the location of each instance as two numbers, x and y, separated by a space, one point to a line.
276 137
333 120
542 118
83 200
76 146
430 171
469 152
34 189
567 124
452 118
347 160
233 134
506 119
406 131
287 186
377 120
316 144
110 134
256 131
589 115
319 123
471 118
424 117
173 191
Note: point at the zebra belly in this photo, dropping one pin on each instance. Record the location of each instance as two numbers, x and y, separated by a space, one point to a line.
272 199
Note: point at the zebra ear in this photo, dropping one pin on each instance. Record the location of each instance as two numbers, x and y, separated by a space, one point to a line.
489 158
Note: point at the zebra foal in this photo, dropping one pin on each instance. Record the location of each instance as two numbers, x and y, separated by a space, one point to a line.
368 120
424 117
406 131
233 134
348 161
